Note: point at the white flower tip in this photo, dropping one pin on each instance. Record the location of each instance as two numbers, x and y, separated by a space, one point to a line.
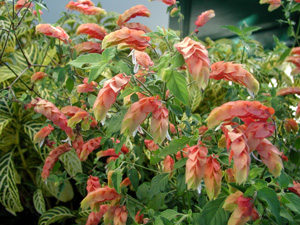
199 189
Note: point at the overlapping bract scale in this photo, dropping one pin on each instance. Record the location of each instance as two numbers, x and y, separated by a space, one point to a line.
159 124
239 152
88 46
93 30
196 58
204 17
236 73
242 207
137 26
195 166
127 38
137 113
37 76
53 157
138 10
86 87
85 7
212 177
241 109
295 59
270 156
51 31
108 95
288 90
50 111
42 134
88 147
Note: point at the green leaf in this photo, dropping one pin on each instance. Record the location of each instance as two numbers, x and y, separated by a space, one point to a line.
108 54
123 67
71 162
177 60
91 99
180 184
233 29
269 196
125 93
70 84
55 214
180 163
86 60
176 83
284 180
114 124
116 178
39 201
285 53
4 121
249 30
170 214
296 8
213 212
176 109
96 71
159 184
195 95
292 201
297 143
134 178
174 146
9 194
157 202
142 192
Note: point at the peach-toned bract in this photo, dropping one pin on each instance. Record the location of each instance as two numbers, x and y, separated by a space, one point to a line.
167 2
295 188
112 152
150 145
77 144
42 134
120 215
270 156
127 38
143 59
236 73
51 31
92 183
168 164
291 125
108 95
93 30
138 10
139 217
86 9
196 58
159 124
35 13
243 209
99 195
137 26
288 90
37 76
50 111
88 46
77 119
53 157
212 177
239 151
204 17
195 166
23 3
95 217
86 87
274 4
298 111
137 113
88 147
241 109
86 2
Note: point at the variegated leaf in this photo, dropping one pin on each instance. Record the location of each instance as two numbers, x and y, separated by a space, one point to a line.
71 162
39 201
9 194
55 214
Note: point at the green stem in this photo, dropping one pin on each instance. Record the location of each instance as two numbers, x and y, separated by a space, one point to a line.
169 47
263 173
24 163
143 85
297 33
143 167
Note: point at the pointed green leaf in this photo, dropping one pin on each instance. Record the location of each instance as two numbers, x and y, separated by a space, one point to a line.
71 163
213 212
85 61
174 146
159 184
116 179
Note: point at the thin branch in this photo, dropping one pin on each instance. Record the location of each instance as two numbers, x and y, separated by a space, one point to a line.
6 42
28 63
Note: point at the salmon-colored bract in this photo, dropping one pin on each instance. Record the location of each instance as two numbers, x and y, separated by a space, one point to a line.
93 30
51 31
204 17
138 10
